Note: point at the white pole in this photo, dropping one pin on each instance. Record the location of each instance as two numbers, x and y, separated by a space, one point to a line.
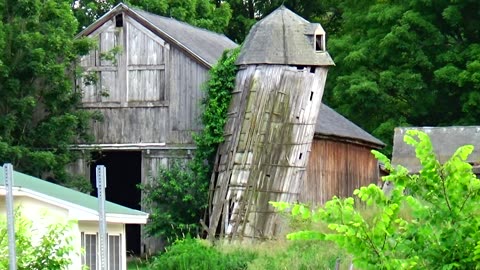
102 223
8 173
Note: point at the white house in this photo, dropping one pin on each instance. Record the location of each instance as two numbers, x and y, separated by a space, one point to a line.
41 202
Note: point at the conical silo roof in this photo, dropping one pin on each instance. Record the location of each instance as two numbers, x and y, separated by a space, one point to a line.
284 38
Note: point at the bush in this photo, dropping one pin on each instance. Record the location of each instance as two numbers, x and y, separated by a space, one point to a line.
194 254
52 250
432 226
301 255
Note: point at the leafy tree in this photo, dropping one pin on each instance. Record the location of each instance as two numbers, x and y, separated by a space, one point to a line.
246 13
428 221
406 63
177 196
201 13
38 105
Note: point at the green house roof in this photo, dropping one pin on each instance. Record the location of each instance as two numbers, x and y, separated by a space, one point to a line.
24 181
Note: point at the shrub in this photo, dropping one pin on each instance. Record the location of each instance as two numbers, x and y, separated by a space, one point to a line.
439 231
52 250
194 254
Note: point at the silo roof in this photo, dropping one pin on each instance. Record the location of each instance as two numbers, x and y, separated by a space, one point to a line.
283 38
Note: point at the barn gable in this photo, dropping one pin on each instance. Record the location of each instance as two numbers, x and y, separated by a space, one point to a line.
145 77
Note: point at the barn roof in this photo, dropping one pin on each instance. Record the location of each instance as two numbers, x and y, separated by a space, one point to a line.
330 123
282 38
206 46
445 141
69 197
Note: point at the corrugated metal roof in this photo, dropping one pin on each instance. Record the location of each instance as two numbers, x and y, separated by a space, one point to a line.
445 141
331 123
66 194
283 38
207 46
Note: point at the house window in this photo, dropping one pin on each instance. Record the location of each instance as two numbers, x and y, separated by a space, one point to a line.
114 251
90 257
319 43
89 245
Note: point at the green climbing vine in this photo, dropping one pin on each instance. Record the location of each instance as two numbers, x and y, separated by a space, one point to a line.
178 195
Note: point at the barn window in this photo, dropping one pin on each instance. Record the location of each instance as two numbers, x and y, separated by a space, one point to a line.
319 43
119 20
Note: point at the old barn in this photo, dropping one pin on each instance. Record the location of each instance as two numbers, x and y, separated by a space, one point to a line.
145 78
340 160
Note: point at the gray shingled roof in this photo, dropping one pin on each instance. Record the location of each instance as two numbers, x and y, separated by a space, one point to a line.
205 45
331 123
445 141
282 38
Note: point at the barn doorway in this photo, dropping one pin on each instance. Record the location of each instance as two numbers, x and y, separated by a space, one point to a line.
124 172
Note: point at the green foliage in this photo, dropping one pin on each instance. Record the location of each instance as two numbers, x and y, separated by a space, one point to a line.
302 255
39 118
51 250
202 13
194 254
176 202
401 63
177 196
435 226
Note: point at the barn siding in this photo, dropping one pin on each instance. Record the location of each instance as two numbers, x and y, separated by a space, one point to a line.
268 133
156 100
337 168
150 93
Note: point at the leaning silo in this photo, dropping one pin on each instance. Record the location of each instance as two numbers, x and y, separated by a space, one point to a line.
271 123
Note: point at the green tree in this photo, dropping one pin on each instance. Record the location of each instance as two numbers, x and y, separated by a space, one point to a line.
201 13
406 63
246 13
433 226
39 119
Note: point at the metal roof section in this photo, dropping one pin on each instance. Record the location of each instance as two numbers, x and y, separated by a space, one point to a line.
284 38
331 123
445 141
202 44
36 187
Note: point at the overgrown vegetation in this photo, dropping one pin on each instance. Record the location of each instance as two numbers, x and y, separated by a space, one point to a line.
429 220
195 254
177 196
39 118
51 250
270 255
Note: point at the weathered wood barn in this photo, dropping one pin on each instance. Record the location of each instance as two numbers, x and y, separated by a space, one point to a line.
445 141
145 78
270 126
340 160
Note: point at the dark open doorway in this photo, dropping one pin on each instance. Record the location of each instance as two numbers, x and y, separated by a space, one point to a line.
124 172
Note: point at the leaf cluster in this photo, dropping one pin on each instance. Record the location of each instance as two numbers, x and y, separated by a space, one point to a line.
52 250
39 115
428 220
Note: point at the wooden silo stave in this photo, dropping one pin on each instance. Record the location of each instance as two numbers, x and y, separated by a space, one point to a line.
270 127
